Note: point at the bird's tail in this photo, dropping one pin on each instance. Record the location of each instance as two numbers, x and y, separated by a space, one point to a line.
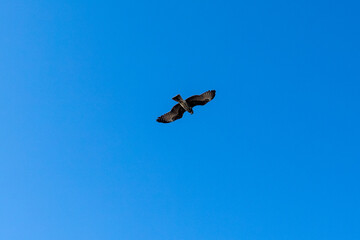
177 98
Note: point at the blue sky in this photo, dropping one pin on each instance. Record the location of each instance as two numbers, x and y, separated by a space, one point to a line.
274 156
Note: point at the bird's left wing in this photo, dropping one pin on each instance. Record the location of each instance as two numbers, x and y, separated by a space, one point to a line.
176 112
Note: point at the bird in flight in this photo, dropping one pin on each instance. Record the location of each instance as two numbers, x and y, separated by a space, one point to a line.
186 105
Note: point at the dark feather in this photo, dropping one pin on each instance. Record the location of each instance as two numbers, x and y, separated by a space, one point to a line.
176 113
201 99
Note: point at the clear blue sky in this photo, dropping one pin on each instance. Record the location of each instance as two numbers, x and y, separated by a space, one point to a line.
274 156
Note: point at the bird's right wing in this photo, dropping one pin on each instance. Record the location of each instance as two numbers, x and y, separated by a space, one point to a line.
201 99
176 113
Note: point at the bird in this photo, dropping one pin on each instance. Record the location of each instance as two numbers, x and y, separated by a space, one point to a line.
186 105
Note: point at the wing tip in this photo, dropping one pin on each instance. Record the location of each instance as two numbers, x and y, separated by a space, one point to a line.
161 120
213 92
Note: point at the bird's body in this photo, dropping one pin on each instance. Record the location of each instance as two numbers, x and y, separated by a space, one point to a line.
183 103
186 105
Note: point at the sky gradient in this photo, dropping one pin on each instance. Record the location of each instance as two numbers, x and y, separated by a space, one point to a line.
274 156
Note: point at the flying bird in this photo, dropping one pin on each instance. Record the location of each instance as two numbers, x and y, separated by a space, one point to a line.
186 105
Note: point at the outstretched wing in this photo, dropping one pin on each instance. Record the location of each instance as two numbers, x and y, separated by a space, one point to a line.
176 112
201 99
